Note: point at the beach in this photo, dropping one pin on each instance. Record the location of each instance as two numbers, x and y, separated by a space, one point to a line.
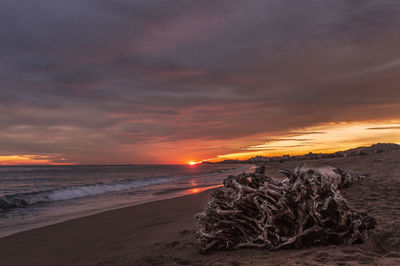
163 232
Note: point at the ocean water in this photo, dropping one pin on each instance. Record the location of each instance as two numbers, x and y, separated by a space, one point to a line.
35 196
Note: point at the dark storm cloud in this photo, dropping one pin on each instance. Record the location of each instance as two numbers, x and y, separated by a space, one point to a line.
89 78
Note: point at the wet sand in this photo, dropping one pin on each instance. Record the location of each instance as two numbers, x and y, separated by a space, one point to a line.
162 232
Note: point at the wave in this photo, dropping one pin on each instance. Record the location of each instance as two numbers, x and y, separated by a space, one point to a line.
23 200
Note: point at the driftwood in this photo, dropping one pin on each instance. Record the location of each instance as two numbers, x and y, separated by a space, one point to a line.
307 208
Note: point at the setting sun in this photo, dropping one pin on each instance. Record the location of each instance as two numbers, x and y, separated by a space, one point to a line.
193 163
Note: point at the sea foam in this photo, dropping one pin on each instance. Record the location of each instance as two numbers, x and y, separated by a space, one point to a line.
23 200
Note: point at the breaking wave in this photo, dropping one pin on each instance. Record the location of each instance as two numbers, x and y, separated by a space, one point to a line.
22 200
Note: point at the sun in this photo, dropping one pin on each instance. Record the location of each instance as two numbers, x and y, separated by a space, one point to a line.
192 163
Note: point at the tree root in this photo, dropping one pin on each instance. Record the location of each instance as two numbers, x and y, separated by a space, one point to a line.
307 208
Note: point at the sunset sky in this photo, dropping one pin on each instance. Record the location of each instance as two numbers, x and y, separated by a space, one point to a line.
117 82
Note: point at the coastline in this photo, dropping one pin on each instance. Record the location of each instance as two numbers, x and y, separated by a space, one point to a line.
181 193
70 242
44 203
162 232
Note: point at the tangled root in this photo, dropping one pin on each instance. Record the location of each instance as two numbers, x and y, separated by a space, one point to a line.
307 208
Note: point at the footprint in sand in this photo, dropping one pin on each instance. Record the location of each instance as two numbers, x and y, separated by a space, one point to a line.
151 260
184 232
322 257
182 261
172 244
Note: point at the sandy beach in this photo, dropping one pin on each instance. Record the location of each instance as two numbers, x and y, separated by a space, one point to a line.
162 232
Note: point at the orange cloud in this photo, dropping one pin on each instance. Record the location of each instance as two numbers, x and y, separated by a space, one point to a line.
30 160
330 137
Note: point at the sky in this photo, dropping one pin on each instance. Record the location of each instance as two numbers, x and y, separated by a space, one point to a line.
117 82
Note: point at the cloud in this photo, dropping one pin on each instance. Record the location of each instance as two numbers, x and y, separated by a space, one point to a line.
135 81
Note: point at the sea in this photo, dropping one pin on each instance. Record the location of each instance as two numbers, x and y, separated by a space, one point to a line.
36 196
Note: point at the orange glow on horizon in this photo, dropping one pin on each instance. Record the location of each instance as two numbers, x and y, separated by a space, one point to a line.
321 138
30 160
325 138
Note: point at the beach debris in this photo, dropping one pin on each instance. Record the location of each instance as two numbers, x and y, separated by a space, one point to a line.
306 208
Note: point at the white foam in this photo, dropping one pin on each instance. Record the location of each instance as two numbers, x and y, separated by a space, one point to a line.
85 191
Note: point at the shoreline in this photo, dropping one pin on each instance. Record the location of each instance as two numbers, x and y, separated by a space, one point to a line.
188 191
38 207
78 233
163 232
108 212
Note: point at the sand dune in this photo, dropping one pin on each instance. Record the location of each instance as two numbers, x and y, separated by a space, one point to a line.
162 232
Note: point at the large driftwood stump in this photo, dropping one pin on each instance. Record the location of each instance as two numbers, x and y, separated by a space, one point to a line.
307 208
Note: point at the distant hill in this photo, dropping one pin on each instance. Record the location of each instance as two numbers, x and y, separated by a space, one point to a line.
360 151
375 148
